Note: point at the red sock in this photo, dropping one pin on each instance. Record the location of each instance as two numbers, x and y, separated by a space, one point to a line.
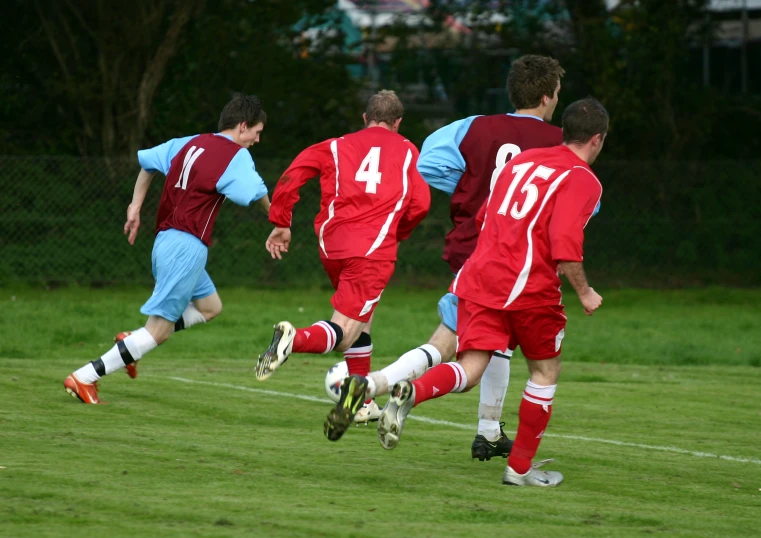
319 338
438 381
533 417
358 361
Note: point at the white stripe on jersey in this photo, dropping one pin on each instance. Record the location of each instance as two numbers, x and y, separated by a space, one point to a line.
389 220
520 283
331 211
222 198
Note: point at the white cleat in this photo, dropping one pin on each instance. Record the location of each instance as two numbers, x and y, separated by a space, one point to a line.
367 413
391 420
278 352
534 477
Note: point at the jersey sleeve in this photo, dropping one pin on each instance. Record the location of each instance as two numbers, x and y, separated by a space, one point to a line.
420 202
240 182
574 205
159 158
441 164
307 165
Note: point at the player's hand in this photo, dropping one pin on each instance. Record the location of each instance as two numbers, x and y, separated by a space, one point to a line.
591 301
133 223
278 242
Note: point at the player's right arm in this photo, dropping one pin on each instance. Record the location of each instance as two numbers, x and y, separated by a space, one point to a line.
441 163
574 205
156 159
307 165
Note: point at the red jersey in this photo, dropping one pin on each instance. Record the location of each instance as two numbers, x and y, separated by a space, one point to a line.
534 218
488 143
372 194
190 200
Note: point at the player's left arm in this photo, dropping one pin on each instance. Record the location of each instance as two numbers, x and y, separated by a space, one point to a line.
420 202
441 164
152 160
142 184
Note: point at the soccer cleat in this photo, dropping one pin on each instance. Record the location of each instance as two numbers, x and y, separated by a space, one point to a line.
391 420
352 399
534 477
85 392
277 353
483 449
131 369
370 412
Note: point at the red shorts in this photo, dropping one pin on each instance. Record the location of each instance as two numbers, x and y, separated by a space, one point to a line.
359 283
538 331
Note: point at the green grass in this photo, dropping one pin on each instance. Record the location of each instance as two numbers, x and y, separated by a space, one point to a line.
669 369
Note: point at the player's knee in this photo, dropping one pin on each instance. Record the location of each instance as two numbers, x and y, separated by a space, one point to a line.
213 311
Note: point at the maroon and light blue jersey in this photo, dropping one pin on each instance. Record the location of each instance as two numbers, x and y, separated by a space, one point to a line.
464 160
201 172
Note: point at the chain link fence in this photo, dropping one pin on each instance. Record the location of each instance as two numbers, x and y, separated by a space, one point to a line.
662 224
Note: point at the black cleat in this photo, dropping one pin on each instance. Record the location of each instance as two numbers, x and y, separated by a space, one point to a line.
342 415
486 450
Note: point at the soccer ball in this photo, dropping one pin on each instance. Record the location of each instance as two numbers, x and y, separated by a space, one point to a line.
334 378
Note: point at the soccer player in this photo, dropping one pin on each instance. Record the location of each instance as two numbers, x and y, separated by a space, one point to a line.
372 198
464 159
201 172
509 289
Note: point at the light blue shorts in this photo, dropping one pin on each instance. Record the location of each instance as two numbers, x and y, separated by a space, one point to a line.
179 261
448 311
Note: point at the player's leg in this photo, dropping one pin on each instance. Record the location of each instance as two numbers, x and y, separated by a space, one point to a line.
440 380
491 440
178 261
539 332
480 330
205 305
359 283
357 294
358 358
441 347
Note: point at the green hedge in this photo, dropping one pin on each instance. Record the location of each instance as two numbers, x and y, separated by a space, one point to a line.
661 224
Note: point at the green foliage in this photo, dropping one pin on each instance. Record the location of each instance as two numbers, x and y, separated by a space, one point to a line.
663 223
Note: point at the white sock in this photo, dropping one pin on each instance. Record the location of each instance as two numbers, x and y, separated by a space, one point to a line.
138 344
493 390
373 386
412 364
191 316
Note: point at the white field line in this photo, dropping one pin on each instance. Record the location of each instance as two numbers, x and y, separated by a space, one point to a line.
472 426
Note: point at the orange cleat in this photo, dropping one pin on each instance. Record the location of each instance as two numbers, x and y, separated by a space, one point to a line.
85 392
131 369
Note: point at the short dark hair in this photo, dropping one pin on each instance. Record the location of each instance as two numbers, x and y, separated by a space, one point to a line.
385 106
583 119
531 77
242 109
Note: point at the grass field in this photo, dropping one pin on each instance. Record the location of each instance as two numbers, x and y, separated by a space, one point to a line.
656 426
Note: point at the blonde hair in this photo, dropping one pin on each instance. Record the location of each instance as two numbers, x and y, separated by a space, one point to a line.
385 107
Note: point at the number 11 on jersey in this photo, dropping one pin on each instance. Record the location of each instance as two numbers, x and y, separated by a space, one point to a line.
368 172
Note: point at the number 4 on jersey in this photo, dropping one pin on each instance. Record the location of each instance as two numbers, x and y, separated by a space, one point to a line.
368 171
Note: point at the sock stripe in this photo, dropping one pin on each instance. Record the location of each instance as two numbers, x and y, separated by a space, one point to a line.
331 335
428 355
124 352
100 368
537 400
458 378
